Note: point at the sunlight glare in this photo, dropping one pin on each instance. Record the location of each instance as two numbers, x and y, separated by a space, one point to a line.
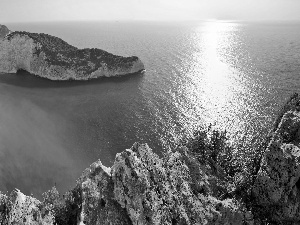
212 79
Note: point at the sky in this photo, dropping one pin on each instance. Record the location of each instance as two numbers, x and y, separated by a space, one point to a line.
78 10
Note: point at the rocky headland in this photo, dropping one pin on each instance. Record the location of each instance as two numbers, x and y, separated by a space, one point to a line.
179 188
52 58
3 31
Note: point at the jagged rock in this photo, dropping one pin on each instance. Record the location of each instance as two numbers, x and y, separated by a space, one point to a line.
3 31
98 203
277 186
21 209
141 188
51 57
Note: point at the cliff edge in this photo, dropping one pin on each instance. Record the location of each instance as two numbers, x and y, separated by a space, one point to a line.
276 190
52 58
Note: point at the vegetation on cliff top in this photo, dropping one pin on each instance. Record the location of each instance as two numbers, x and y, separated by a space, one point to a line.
235 165
66 209
240 163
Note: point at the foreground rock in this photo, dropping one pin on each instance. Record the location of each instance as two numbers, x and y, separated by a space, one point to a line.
277 187
3 31
20 209
140 188
51 57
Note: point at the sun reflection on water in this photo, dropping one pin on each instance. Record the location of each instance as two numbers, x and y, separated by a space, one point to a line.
212 83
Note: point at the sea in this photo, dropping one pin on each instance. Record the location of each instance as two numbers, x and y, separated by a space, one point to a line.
231 75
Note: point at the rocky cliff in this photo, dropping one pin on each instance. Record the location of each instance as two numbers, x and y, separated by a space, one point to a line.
52 58
142 188
276 189
3 31
150 190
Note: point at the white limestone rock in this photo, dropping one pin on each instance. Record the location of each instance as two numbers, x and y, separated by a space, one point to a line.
52 58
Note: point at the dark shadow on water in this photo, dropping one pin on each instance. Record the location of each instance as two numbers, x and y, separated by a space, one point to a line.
24 79
52 130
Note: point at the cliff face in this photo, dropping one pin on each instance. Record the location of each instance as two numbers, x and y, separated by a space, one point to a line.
51 57
3 31
277 188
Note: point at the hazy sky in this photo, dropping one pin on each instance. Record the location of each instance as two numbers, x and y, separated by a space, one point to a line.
50 10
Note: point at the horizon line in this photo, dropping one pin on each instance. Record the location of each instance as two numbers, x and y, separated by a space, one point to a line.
151 20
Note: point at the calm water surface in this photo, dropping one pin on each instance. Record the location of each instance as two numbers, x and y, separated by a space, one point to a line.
233 75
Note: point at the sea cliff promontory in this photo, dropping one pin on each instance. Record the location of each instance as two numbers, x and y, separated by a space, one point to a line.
52 58
3 31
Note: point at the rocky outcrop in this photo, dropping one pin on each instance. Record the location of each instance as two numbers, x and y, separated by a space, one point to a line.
52 58
21 209
98 203
141 188
3 31
277 187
